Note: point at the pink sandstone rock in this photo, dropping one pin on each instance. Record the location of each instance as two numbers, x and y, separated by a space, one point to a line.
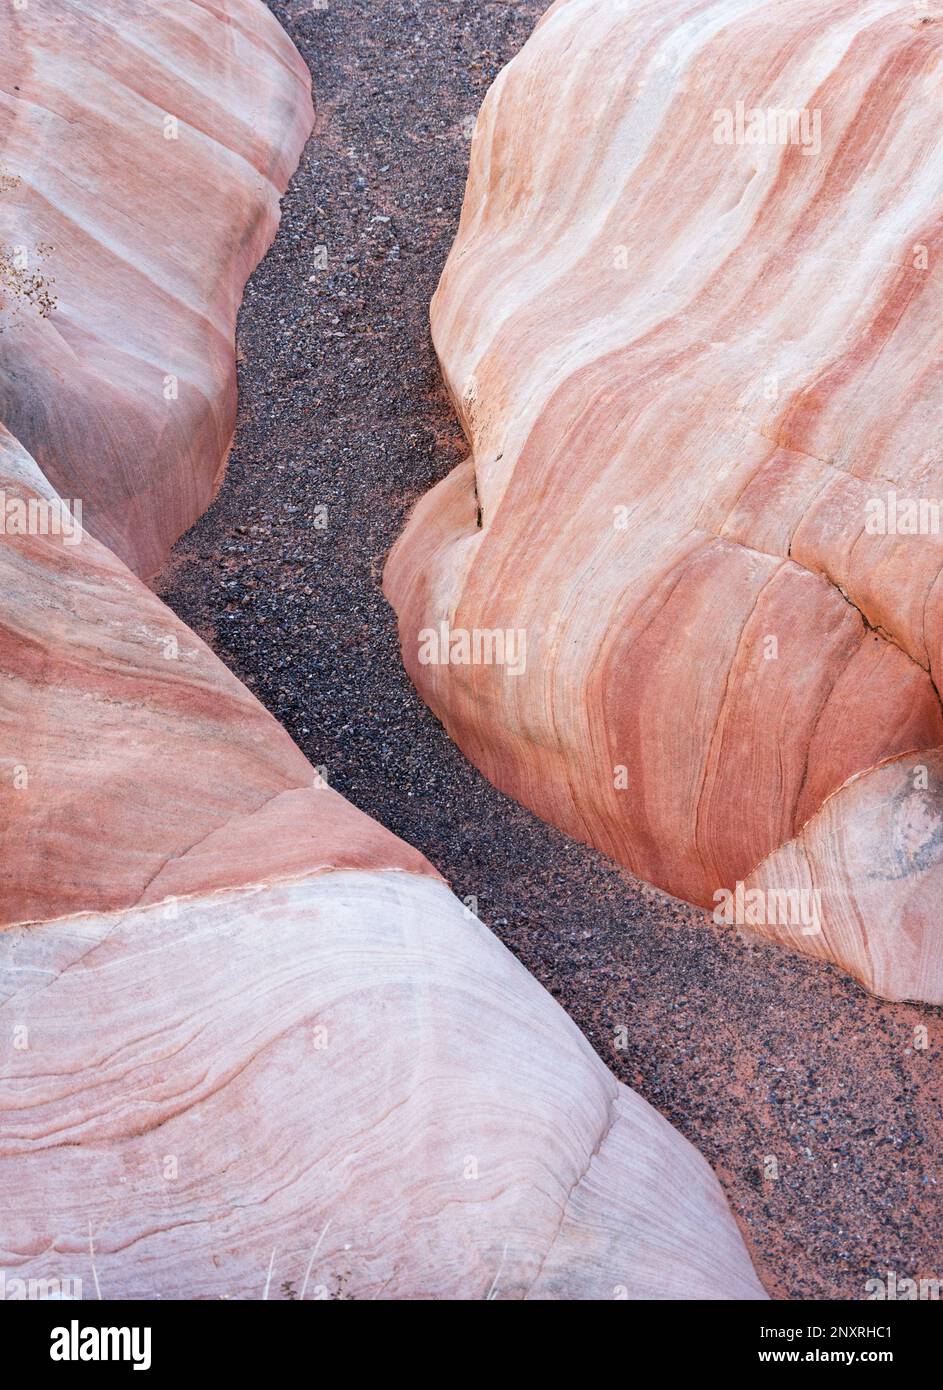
691 326
250 1044
143 149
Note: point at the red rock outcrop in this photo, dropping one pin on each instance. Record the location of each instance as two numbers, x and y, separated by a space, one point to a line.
252 1046
691 325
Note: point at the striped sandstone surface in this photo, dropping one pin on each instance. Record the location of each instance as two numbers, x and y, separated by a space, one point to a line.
693 367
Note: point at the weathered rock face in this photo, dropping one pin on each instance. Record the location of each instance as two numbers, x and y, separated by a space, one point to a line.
691 325
250 1044
134 765
143 149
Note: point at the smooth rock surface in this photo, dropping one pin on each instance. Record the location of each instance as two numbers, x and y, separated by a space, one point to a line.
691 374
134 765
143 149
345 1076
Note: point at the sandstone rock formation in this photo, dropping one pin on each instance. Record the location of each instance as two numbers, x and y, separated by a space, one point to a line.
691 326
144 149
250 1044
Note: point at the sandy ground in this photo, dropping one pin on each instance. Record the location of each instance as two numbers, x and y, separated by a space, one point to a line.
769 1063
